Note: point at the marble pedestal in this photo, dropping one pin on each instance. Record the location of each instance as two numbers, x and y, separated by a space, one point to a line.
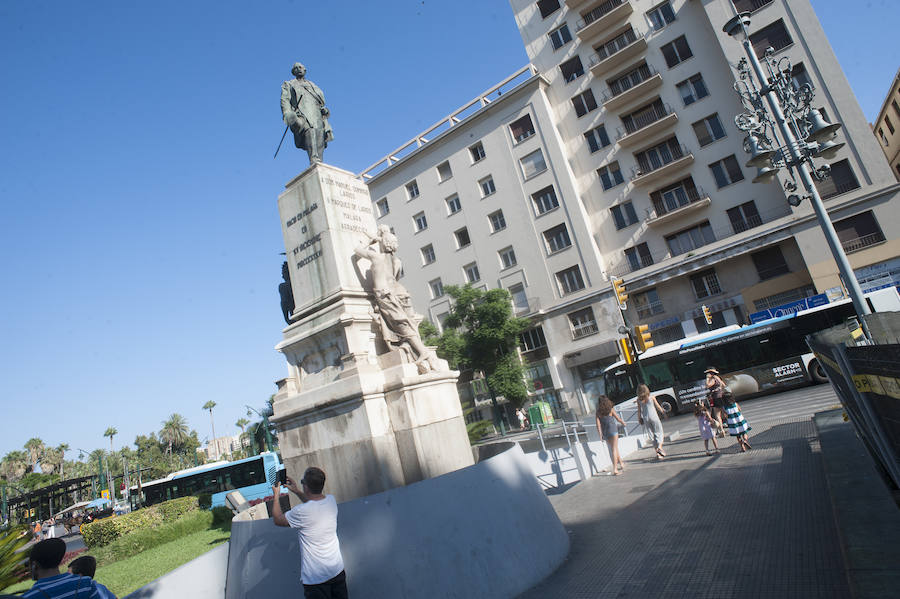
352 404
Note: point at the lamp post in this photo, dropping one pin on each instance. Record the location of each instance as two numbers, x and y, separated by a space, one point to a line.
791 114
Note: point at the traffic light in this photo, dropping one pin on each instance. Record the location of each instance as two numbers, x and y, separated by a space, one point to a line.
619 288
642 337
707 314
625 346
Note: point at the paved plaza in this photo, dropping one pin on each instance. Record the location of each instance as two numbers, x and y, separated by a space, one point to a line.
756 524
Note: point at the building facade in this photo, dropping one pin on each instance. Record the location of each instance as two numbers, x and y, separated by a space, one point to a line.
617 156
886 126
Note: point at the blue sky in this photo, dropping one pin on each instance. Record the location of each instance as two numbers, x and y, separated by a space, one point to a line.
141 237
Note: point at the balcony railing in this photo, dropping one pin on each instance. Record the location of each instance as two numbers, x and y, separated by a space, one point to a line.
644 118
639 261
854 245
628 81
647 166
749 5
597 13
689 196
584 329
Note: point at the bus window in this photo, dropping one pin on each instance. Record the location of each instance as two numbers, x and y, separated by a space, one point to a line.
620 384
658 374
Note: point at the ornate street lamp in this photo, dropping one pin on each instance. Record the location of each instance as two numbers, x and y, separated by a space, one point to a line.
789 112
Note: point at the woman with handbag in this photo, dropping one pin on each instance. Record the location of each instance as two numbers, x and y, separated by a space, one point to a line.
648 415
608 422
715 392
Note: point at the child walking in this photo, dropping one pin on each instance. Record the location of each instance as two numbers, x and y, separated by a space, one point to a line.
705 422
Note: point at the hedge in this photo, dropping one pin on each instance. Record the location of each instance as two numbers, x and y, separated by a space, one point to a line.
103 532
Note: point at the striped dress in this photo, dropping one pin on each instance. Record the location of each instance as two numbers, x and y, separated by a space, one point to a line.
735 420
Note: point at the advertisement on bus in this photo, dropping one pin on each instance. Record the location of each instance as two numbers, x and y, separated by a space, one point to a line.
747 381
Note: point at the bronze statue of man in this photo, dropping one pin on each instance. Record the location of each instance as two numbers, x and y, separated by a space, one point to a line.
303 109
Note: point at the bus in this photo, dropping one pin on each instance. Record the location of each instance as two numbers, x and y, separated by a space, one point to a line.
766 356
253 477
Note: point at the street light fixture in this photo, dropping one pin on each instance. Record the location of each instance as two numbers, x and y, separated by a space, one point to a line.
789 112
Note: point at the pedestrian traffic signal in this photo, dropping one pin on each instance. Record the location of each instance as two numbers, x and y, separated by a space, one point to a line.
642 337
625 346
707 314
619 288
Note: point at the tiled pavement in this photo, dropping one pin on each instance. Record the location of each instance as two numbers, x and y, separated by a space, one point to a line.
756 524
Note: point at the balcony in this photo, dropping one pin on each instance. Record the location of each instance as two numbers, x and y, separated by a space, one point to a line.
584 329
664 212
668 165
627 92
617 52
854 245
644 125
647 310
602 17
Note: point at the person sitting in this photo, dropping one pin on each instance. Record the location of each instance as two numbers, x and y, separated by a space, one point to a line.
86 565
43 562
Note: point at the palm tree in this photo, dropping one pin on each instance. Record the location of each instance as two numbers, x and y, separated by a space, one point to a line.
242 424
51 460
209 406
12 566
14 465
62 448
174 432
35 449
111 432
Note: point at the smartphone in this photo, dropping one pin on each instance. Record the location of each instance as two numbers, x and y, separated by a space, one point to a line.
282 477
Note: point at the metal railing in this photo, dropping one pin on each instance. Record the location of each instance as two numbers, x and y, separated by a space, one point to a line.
854 245
628 81
661 207
613 46
597 13
584 330
676 151
649 309
643 118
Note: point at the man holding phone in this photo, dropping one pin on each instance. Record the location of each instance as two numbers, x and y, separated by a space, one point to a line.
315 519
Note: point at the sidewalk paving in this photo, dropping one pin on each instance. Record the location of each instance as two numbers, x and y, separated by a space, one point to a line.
755 524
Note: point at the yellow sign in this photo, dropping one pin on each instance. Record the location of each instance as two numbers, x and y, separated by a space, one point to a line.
881 385
104 493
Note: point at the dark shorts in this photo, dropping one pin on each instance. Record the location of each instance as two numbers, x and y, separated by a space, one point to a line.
336 588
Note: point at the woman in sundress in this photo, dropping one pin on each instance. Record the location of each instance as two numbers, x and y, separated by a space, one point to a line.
737 425
648 415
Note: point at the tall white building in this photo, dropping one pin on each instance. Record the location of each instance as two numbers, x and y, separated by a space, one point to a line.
615 154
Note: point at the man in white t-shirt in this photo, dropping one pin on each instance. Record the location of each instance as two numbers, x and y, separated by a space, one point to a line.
315 518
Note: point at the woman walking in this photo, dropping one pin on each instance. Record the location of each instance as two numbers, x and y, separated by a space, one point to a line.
608 425
715 392
648 412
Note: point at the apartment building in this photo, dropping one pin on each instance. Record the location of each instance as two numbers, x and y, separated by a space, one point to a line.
627 119
886 126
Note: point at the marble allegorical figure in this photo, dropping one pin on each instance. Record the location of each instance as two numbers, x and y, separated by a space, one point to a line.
304 112
398 321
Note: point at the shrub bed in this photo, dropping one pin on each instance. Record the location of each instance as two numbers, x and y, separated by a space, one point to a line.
142 540
103 532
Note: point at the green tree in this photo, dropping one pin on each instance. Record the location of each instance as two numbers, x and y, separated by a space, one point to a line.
35 449
61 449
111 432
209 406
14 465
482 334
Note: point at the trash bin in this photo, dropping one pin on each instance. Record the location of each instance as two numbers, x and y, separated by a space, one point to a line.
534 415
546 412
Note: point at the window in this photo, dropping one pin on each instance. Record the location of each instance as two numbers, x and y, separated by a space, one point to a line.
610 175
557 238
382 207
647 304
487 186
547 7
644 116
693 89
572 69
840 180
583 323
638 256
769 263
705 284
437 288
412 190
624 215
774 35
744 217
420 222
659 155
661 16
428 254
560 37
584 103
896 108
623 83
477 152
672 197
597 138
472 274
544 200
570 280
676 51
799 77
533 339
690 239
453 205
890 126
709 130
784 297
462 237
520 302
522 128
444 171
883 137
615 45
858 232
507 257
498 223
726 171
532 164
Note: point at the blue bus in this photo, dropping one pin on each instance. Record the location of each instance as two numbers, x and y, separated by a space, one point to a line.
253 477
